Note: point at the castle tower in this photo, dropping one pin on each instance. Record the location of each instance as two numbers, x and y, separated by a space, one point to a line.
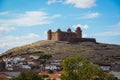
68 30
78 32
49 34
58 34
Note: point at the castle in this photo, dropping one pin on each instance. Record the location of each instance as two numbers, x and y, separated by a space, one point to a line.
68 36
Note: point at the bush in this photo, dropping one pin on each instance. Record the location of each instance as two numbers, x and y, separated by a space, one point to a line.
45 76
45 56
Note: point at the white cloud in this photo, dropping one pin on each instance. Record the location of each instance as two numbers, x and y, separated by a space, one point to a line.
54 1
81 3
51 2
81 26
92 15
6 29
8 42
84 35
29 18
56 16
32 35
76 3
45 33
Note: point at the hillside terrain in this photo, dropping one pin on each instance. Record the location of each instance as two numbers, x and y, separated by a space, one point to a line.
95 52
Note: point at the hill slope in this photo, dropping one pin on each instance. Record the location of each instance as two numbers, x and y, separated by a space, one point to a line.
96 52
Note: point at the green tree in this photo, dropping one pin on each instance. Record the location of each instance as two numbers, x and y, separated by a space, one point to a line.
78 68
45 56
28 76
44 59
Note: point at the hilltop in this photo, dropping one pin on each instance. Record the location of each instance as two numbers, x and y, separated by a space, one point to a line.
95 52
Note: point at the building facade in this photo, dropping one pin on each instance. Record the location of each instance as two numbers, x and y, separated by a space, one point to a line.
68 35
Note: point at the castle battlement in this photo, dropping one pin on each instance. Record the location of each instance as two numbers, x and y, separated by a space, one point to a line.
68 35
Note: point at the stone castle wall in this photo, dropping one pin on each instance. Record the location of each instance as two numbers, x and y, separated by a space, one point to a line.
68 36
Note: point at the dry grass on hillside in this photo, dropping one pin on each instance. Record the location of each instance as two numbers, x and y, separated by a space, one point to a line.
96 52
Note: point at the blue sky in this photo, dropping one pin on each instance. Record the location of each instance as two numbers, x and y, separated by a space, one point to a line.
27 21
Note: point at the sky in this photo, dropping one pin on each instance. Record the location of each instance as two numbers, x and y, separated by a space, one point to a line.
26 21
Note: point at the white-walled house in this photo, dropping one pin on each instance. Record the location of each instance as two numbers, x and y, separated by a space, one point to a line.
105 68
116 74
9 65
30 63
50 67
18 59
25 66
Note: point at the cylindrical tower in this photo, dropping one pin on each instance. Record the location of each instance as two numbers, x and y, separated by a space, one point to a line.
58 34
49 34
68 30
78 32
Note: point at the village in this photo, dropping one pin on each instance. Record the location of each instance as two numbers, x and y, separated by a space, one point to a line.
12 67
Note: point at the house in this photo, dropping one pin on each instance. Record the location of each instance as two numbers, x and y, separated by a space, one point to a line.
56 62
11 74
53 75
9 65
105 67
18 59
31 63
116 74
10 68
26 66
4 76
50 67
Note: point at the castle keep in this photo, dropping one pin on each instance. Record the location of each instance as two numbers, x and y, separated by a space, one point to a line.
68 36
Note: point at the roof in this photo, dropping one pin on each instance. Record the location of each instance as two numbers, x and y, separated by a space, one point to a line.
54 75
4 76
11 74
